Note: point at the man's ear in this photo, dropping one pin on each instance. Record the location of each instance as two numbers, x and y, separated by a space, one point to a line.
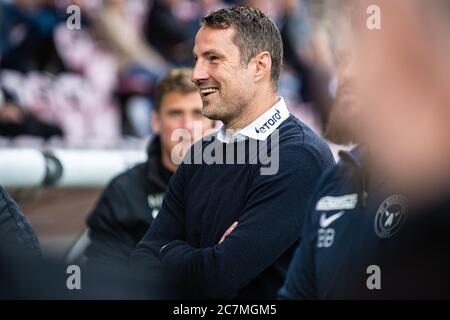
156 122
263 65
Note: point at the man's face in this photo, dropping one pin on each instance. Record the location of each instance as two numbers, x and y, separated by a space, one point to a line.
226 85
180 111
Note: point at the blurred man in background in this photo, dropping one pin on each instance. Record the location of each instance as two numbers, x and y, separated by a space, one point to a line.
305 279
132 200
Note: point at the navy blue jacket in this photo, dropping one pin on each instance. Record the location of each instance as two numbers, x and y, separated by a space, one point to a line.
204 200
361 241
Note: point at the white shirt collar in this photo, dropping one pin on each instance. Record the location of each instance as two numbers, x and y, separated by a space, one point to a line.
261 128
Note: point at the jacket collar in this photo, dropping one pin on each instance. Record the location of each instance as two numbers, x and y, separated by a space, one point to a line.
261 128
156 172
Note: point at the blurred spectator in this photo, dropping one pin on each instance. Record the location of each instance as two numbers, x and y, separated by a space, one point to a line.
27 35
139 64
115 31
172 24
306 52
172 37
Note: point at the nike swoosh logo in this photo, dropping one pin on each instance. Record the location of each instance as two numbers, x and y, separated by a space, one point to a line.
325 222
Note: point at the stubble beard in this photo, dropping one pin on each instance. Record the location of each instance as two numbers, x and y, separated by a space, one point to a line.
227 111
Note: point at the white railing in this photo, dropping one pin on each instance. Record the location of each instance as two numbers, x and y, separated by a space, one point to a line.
64 167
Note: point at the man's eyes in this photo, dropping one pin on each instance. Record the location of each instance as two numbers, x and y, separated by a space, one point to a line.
175 113
195 114
213 58
210 58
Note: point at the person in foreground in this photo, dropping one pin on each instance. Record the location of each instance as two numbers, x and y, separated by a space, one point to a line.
369 233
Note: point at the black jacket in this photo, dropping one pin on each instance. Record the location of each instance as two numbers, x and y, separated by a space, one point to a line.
126 209
16 235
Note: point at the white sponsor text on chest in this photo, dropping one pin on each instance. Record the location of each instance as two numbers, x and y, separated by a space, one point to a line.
269 123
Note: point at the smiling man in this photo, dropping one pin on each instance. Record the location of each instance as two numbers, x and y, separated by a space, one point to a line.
227 229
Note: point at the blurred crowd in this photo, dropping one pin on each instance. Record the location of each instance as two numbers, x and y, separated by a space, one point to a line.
93 84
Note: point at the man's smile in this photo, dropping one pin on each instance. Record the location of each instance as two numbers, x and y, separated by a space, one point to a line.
207 91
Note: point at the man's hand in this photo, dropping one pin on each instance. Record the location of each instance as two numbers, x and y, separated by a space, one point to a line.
229 230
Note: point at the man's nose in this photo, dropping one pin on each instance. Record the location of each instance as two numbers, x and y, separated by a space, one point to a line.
199 73
188 123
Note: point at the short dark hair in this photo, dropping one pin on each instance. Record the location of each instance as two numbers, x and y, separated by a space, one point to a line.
175 80
254 32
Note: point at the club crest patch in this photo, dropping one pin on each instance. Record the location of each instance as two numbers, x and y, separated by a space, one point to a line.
390 216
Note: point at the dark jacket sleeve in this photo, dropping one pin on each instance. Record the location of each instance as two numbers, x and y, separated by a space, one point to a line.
167 226
300 283
16 234
300 278
111 241
269 225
